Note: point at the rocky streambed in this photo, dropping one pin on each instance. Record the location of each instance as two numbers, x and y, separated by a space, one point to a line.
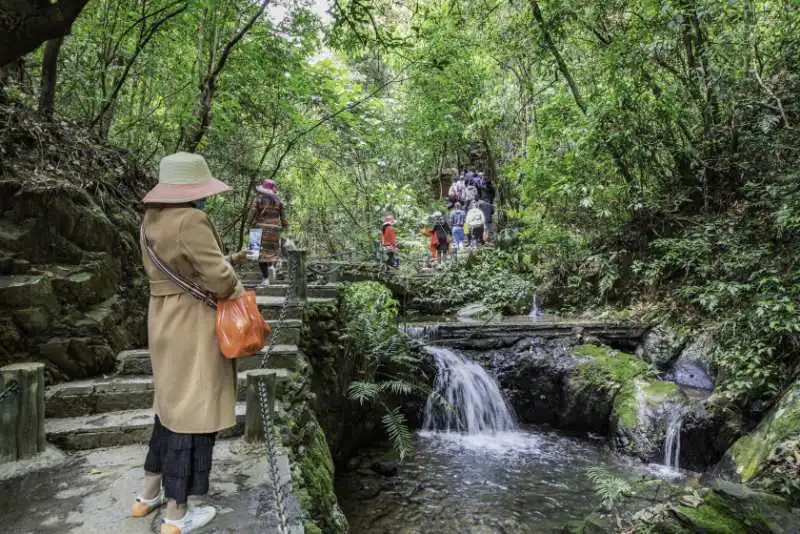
623 404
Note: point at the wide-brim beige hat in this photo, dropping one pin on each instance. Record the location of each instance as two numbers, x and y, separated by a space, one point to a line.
184 177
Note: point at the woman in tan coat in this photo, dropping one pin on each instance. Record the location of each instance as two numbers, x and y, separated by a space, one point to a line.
194 385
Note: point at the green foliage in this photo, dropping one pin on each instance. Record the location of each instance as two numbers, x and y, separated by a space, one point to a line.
484 276
643 153
609 487
390 372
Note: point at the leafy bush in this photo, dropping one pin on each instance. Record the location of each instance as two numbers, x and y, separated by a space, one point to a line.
389 370
484 276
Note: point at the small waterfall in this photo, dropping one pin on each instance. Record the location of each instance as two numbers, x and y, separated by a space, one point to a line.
672 440
427 332
535 312
465 399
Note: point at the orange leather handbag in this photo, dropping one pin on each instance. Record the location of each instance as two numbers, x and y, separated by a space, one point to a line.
241 329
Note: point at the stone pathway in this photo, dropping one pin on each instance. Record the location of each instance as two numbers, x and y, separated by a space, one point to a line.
91 492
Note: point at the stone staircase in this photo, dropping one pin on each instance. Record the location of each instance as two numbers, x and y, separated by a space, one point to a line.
116 410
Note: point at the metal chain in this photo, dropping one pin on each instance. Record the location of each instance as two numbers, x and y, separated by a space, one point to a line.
10 390
272 458
281 320
279 489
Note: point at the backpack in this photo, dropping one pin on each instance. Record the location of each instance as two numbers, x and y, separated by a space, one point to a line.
441 232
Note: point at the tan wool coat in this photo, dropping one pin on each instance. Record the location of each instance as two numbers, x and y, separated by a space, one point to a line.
195 386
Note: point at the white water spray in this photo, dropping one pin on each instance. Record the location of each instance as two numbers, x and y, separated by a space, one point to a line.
534 309
672 440
465 399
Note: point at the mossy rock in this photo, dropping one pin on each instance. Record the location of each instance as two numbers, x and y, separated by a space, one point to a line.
590 392
641 414
724 508
748 456
314 483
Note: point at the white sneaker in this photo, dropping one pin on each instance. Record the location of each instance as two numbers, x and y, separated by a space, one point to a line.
195 518
142 507
265 283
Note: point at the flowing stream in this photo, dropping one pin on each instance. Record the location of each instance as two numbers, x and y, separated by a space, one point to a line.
475 471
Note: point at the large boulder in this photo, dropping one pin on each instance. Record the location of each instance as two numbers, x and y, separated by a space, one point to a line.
661 346
694 367
768 456
72 291
590 392
532 375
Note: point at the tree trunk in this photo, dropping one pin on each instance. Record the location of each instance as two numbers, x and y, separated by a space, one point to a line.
25 24
47 94
562 65
208 86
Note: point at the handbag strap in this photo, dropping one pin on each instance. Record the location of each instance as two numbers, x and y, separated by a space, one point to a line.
189 286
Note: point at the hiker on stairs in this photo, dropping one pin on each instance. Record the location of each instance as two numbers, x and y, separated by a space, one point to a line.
194 385
267 214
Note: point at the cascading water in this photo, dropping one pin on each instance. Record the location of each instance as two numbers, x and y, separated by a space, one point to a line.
535 312
672 440
465 399
427 332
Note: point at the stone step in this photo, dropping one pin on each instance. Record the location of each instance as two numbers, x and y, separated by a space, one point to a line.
113 429
98 396
137 362
271 308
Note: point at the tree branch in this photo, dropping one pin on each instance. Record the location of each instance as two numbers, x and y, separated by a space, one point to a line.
144 38
24 25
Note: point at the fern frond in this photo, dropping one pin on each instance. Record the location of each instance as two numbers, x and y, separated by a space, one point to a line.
363 391
608 486
397 387
399 434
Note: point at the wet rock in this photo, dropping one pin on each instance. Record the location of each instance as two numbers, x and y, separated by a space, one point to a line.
591 390
532 375
68 241
693 368
642 412
387 468
661 346
353 464
708 431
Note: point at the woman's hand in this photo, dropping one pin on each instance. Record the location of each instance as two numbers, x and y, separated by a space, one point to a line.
238 258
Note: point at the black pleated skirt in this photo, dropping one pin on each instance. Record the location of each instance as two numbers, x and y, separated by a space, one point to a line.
183 460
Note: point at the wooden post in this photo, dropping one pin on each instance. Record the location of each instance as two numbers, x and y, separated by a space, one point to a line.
297 267
22 412
252 425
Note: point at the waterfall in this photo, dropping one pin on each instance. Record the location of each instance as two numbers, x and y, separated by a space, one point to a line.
672 440
535 312
465 398
427 332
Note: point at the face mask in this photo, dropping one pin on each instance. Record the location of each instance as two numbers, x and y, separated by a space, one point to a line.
200 204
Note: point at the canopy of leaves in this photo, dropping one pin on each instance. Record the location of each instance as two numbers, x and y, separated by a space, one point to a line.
645 152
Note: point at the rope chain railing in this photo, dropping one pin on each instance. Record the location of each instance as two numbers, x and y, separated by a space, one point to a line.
278 489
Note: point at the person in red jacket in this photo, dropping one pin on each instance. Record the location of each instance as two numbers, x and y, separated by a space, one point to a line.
389 241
